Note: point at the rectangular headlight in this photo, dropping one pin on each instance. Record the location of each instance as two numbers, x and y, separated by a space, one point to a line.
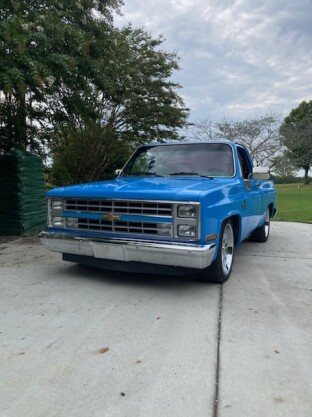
187 211
186 230
57 205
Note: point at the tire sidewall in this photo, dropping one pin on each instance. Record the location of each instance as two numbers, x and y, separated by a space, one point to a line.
215 273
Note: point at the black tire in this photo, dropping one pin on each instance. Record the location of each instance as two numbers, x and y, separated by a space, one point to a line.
220 270
262 233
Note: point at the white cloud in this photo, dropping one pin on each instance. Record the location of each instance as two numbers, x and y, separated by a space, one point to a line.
237 57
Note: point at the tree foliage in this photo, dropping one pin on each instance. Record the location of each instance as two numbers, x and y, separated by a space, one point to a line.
284 167
44 46
296 134
83 155
147 106
68 75
134 95
136 102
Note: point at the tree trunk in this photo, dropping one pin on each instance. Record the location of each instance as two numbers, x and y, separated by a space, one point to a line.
306 174
21 124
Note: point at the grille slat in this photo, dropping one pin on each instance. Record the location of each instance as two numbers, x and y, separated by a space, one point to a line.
119 207
118 226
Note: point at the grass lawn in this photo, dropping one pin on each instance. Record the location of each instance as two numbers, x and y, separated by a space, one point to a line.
294 203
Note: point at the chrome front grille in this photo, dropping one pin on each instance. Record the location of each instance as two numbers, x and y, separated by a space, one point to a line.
119 207
126 216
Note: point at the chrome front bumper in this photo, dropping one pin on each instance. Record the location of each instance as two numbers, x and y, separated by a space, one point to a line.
180 255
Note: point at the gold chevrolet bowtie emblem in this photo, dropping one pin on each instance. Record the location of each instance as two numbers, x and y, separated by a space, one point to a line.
110 217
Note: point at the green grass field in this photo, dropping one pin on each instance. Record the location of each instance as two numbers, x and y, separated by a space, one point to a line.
294 203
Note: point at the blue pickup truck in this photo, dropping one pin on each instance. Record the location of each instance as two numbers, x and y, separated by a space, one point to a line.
174 208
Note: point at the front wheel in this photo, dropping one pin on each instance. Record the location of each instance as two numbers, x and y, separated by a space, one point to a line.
261 234
220 270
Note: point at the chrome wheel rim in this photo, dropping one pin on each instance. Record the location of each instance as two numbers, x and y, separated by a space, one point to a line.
227 249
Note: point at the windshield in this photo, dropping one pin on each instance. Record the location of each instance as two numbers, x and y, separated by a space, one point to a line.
192 159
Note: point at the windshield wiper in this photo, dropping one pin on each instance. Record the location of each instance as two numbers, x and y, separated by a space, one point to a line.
149 174
191 173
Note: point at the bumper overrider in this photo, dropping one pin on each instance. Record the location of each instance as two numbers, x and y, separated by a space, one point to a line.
131 250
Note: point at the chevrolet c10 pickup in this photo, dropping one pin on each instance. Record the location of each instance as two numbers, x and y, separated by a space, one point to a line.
174 208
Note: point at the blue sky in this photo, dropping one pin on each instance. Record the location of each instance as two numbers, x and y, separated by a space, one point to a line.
239 59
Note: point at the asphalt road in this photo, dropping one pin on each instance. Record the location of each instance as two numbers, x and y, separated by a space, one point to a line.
79 342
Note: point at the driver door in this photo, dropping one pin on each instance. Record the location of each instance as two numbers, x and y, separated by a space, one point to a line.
252 204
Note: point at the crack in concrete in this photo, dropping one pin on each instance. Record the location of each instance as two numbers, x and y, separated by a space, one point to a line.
216 395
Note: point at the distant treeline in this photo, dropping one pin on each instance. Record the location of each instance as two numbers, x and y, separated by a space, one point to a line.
290 179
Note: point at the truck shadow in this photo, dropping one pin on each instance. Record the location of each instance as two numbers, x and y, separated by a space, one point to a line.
134 279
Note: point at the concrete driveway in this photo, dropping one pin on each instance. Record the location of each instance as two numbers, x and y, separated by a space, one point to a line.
78 342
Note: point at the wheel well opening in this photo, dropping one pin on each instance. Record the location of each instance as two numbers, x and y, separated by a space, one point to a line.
236 225
271 210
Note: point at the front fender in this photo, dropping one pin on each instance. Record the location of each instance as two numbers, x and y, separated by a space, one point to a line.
212 220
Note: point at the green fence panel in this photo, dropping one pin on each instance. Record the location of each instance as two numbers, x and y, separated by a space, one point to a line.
22 193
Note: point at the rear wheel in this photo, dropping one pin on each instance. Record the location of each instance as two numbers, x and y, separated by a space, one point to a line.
220 270
261 234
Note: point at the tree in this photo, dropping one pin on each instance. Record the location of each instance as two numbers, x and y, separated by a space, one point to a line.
137 104
83 155
203 129
296 136
66 73
148 107
135 96
260 135
283 167
44 46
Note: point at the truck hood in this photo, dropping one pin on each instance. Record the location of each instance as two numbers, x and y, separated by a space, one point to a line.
182 188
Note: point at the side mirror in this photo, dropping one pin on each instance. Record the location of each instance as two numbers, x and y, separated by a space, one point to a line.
261 173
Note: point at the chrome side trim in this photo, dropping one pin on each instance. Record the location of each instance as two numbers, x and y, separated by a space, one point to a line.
127 250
